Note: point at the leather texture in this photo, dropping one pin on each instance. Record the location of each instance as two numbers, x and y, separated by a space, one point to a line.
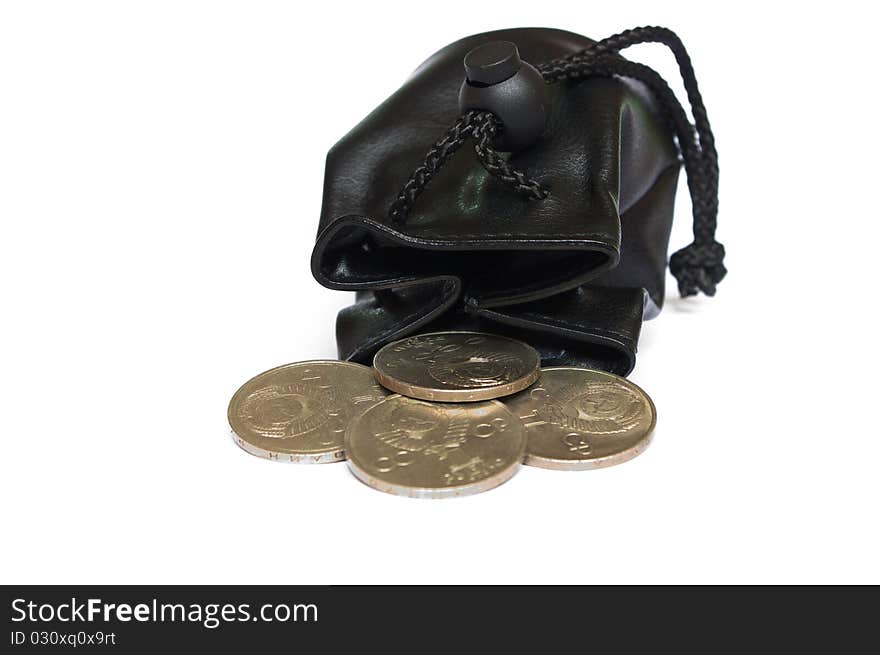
573 275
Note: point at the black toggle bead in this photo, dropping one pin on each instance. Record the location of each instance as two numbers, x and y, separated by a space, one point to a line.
500 82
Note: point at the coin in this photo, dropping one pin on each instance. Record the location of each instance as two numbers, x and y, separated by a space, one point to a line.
577 419
414 448
457 366
299 412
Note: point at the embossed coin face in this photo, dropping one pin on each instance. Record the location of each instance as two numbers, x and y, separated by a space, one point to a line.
415 448
457 366
299 412
578 419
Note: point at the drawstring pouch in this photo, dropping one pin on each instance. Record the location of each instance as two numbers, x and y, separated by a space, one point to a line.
521 182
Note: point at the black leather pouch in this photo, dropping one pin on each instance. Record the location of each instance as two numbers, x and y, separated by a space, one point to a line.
561 242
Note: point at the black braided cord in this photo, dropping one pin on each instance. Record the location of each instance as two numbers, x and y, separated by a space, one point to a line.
441 151
486 131
484 127
697 267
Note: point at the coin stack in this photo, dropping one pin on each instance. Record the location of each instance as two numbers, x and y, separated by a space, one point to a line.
442 414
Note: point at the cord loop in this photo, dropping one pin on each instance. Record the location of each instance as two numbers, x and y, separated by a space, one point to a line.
697 267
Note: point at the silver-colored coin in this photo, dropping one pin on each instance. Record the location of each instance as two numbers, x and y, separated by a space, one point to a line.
299 412
420 449
577 419
457 366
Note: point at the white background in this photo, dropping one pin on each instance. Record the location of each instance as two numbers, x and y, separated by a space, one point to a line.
161 171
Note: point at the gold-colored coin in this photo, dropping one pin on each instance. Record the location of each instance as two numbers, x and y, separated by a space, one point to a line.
299 412
577 419
457 366
420 449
